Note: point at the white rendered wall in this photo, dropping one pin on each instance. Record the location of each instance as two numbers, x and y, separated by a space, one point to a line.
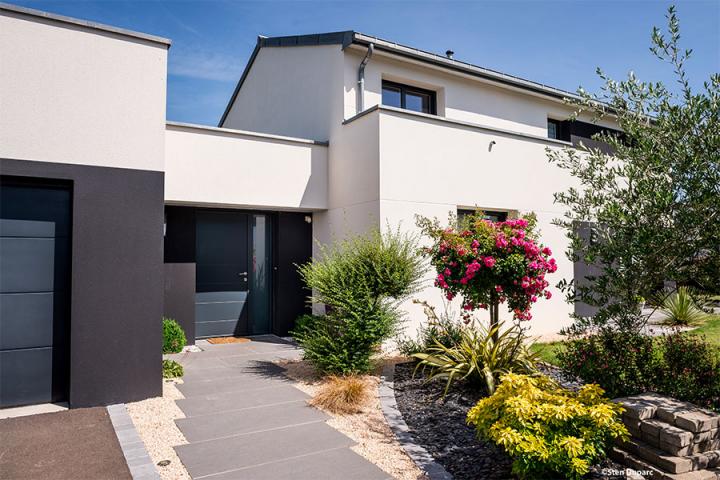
70 94
459 96
224 168
293 91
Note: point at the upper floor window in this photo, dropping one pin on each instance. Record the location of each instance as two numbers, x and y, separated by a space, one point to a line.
409 98
558 130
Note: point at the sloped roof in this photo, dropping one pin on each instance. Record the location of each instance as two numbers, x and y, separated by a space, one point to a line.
349 37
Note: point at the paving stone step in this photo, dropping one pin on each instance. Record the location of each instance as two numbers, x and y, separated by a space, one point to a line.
242 422
652 472
672 439
683 415
243 451
239 400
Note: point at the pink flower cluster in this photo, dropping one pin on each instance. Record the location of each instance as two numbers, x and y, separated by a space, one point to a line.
511 271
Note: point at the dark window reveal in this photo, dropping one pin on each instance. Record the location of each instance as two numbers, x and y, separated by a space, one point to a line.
558 130
488 214
407 97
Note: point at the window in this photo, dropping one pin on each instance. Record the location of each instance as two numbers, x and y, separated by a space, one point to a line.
407 97
558 130
489 214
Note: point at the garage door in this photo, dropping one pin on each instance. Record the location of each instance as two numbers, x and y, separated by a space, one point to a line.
35 226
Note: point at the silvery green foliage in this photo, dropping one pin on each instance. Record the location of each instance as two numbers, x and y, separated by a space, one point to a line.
654 203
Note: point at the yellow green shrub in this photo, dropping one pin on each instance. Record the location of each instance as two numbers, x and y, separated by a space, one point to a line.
547 430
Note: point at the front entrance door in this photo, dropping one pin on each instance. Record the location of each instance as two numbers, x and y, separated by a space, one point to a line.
221 299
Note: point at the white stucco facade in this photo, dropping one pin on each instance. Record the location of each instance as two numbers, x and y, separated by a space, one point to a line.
74 93
485 148
292 136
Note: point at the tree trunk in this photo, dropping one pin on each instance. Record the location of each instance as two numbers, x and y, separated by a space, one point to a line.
495 317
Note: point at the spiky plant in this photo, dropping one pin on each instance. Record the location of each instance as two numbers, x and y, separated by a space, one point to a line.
681 309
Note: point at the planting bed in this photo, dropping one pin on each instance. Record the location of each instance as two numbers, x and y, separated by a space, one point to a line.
438 425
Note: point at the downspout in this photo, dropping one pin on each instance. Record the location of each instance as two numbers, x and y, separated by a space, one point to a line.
361 78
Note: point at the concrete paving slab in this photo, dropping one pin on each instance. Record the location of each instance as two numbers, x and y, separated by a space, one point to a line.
243 451
237 400
340 463
208 427
244 382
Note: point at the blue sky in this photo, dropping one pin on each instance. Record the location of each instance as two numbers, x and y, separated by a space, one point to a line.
558 43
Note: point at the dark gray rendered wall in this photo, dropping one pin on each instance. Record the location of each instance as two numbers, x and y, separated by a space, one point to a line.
180 297
117 279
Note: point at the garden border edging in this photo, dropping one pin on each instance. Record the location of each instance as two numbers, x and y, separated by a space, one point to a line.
395 420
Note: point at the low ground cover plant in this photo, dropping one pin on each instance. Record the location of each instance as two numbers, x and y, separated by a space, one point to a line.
480 356
172 369
548 431
361 282
173 336
342 394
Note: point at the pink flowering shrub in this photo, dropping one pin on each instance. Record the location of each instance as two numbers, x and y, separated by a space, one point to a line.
490 263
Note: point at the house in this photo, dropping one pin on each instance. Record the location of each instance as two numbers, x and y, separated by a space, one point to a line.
111 216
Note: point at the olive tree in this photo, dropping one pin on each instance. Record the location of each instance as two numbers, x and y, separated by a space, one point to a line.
653 203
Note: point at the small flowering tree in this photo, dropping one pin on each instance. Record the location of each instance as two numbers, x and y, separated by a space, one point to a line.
490 263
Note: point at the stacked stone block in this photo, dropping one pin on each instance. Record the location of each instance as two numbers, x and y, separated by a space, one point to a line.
671 439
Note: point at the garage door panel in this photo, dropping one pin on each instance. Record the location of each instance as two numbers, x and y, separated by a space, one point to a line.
27 264
25 376
26 320
35 262
26 228
38 203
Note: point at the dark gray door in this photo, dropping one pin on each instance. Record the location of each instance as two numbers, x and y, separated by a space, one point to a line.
221 273
34 292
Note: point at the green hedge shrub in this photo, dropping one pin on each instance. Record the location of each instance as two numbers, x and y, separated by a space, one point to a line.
172 369
173 336
548 431
361 281
622 363
689 369
680 365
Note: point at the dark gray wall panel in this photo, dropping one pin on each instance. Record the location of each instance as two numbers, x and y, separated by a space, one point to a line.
117 279
25 320
180 296
26 376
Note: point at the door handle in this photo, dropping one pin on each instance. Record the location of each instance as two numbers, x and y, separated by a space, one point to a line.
242 274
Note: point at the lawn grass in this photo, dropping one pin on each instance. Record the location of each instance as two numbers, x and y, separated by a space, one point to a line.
710 330
547 351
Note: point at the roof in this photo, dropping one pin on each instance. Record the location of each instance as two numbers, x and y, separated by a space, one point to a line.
30 12
350 37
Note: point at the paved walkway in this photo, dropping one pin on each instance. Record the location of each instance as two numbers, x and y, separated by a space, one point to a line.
246 420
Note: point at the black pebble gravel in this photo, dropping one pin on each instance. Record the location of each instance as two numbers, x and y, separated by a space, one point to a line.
438 424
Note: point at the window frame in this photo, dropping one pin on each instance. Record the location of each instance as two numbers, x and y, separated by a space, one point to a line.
561 129
405 89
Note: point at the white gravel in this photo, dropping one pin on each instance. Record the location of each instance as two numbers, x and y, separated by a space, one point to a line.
375 440
154 421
